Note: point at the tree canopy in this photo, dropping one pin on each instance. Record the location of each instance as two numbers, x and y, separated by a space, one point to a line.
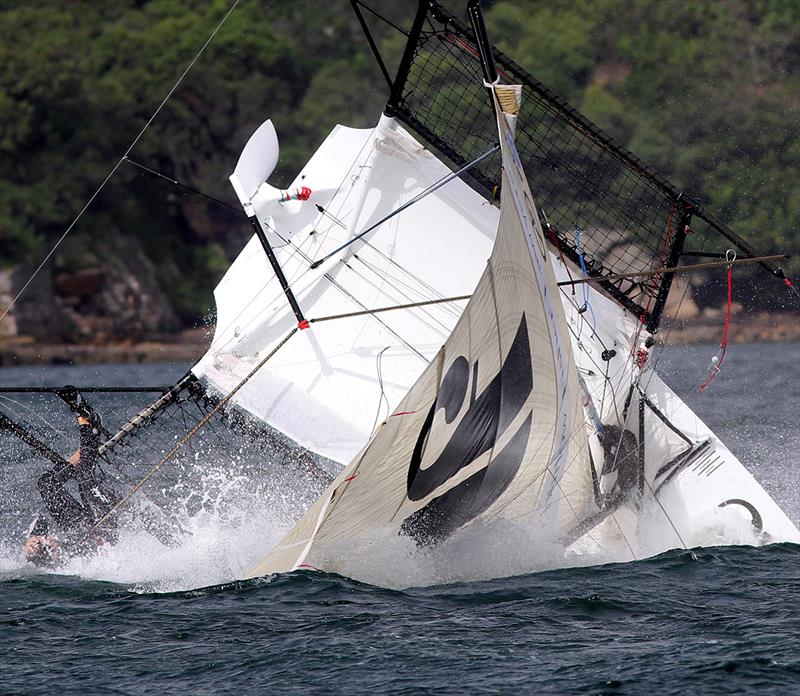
709 93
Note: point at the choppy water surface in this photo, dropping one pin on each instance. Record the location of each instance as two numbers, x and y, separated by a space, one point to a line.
704 621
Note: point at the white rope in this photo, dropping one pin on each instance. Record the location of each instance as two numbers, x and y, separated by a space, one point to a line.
119 162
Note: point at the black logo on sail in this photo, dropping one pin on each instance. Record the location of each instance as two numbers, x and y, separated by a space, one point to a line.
487 418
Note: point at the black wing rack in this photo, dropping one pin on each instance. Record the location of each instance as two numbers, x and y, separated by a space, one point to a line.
631 220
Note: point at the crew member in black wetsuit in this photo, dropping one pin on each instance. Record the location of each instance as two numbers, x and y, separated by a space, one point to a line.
74 518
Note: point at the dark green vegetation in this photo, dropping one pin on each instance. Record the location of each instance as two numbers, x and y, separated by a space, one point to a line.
708 92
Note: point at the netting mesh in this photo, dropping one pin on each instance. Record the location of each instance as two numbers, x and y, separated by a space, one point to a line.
580 179
231 449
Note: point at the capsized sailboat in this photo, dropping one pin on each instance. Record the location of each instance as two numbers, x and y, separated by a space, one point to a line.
496 429
459 368
534 405
493 427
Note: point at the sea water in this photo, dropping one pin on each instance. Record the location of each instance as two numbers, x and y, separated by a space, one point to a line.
141 618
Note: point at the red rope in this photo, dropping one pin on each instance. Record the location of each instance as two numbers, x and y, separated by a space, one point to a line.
717 360
557 243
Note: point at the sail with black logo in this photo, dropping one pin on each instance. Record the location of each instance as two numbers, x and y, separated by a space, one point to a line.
493 428
541 412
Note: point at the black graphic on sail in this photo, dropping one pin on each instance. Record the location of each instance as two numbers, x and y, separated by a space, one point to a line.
487 418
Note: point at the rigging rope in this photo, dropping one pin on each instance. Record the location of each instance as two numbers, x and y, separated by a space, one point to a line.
119 162
389 309
186 187
681 269
433 187
582 260
719 358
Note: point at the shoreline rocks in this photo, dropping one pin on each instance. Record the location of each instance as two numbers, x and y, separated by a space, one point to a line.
189 346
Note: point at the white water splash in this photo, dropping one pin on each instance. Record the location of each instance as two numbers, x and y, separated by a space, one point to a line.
229 519
502 548
232 517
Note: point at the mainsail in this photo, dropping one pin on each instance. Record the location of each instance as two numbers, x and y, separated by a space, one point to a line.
493 428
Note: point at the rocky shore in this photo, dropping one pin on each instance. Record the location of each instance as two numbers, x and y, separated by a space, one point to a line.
188 346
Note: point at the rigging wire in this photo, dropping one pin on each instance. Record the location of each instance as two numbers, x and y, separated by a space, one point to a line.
381 286
119 162
36 414
180 184
620 418
369 145
336 284
426 287
582 261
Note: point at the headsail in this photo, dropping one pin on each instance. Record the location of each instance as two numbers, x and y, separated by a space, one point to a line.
493 428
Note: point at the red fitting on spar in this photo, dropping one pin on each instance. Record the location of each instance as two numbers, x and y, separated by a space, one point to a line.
300 194
719 358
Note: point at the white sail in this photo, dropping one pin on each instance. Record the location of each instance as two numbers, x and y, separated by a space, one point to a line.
492 429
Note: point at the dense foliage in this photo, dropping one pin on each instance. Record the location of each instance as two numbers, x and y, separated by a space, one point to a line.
709 92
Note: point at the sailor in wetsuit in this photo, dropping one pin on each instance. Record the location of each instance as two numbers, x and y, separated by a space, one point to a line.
75 519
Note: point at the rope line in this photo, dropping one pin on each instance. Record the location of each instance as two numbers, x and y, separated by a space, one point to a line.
388 309
433 187
678 269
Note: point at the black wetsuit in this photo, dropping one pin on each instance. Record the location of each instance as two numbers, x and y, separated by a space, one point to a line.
75 517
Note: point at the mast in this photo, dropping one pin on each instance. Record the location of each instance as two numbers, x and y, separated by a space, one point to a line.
482 36
393 106
302 323
684 214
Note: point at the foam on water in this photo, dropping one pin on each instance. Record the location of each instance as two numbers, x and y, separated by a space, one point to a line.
230 519
236 511
503 549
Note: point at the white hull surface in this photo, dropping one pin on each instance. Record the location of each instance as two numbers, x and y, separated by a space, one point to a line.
332 383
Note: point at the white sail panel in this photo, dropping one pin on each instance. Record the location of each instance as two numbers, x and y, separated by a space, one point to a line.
492 429
257 161
330 385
